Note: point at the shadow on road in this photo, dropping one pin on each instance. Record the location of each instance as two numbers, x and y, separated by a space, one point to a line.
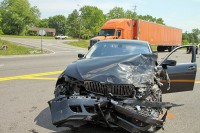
44 120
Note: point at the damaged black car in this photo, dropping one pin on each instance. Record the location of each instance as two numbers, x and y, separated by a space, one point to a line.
119 84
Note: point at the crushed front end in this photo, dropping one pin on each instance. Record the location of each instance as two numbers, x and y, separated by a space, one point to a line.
132 115
125 93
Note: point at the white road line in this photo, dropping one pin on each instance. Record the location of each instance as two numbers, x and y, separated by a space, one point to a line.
25 56
1 65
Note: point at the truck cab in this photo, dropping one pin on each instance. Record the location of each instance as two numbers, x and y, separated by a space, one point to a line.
114 29
165 37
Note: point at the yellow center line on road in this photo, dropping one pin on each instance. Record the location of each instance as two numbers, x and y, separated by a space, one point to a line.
32 76
39 76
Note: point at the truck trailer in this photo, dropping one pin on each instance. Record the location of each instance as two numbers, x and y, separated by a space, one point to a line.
165 37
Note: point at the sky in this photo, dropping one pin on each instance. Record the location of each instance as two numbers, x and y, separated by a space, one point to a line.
183 14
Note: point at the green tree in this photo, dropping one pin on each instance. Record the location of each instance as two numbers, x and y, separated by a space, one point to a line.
73 24
185 42
185 36
196 31
116 12
44 23
160 21
130 14
17 15
35 14
191 38
59 23
92 19
147 18
196 40
1 32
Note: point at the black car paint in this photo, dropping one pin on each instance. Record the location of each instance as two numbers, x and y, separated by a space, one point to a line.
101 69
122 69
182 75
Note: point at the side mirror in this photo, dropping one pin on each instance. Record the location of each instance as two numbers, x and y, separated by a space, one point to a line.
80 56
118 34
168 63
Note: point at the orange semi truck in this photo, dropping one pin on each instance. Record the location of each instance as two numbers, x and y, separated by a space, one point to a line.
165 37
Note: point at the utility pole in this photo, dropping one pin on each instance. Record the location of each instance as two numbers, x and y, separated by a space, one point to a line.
79 37
134 10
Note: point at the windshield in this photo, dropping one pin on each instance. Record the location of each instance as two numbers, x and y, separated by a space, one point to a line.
102 49
107 32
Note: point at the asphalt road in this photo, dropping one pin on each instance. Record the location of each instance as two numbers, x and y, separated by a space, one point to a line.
27 83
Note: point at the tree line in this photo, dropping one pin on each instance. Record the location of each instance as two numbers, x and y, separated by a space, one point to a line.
17 16
191 38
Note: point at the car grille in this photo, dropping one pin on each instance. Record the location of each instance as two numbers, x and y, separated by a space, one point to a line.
104 89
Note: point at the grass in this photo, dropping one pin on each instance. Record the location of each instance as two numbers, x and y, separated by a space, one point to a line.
154 47
16 49
33 37
81 43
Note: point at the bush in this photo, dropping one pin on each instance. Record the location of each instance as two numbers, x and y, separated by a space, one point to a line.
185 42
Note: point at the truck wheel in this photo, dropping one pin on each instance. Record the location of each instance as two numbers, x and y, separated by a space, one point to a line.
170 48
160 49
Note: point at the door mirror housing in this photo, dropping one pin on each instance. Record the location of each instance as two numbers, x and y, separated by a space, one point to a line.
80 56
118 34
168 63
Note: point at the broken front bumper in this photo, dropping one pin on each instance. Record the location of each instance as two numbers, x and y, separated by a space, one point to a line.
95 109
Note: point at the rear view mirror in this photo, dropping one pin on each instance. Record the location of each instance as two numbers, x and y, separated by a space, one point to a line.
80 56
168 63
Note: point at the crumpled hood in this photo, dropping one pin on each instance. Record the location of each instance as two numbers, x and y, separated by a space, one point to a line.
130 69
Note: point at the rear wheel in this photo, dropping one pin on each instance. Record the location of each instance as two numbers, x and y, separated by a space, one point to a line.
170 48
160 48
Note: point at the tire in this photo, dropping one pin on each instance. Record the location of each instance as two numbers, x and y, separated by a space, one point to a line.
160 48
170 48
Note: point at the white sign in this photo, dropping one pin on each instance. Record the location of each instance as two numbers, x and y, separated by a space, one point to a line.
42 32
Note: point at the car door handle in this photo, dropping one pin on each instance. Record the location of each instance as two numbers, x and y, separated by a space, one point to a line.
192 68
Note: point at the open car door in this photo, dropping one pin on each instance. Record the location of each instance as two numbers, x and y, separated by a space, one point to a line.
182 74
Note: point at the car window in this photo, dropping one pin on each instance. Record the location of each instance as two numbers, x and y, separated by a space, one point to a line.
107 32
102 49
181 56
